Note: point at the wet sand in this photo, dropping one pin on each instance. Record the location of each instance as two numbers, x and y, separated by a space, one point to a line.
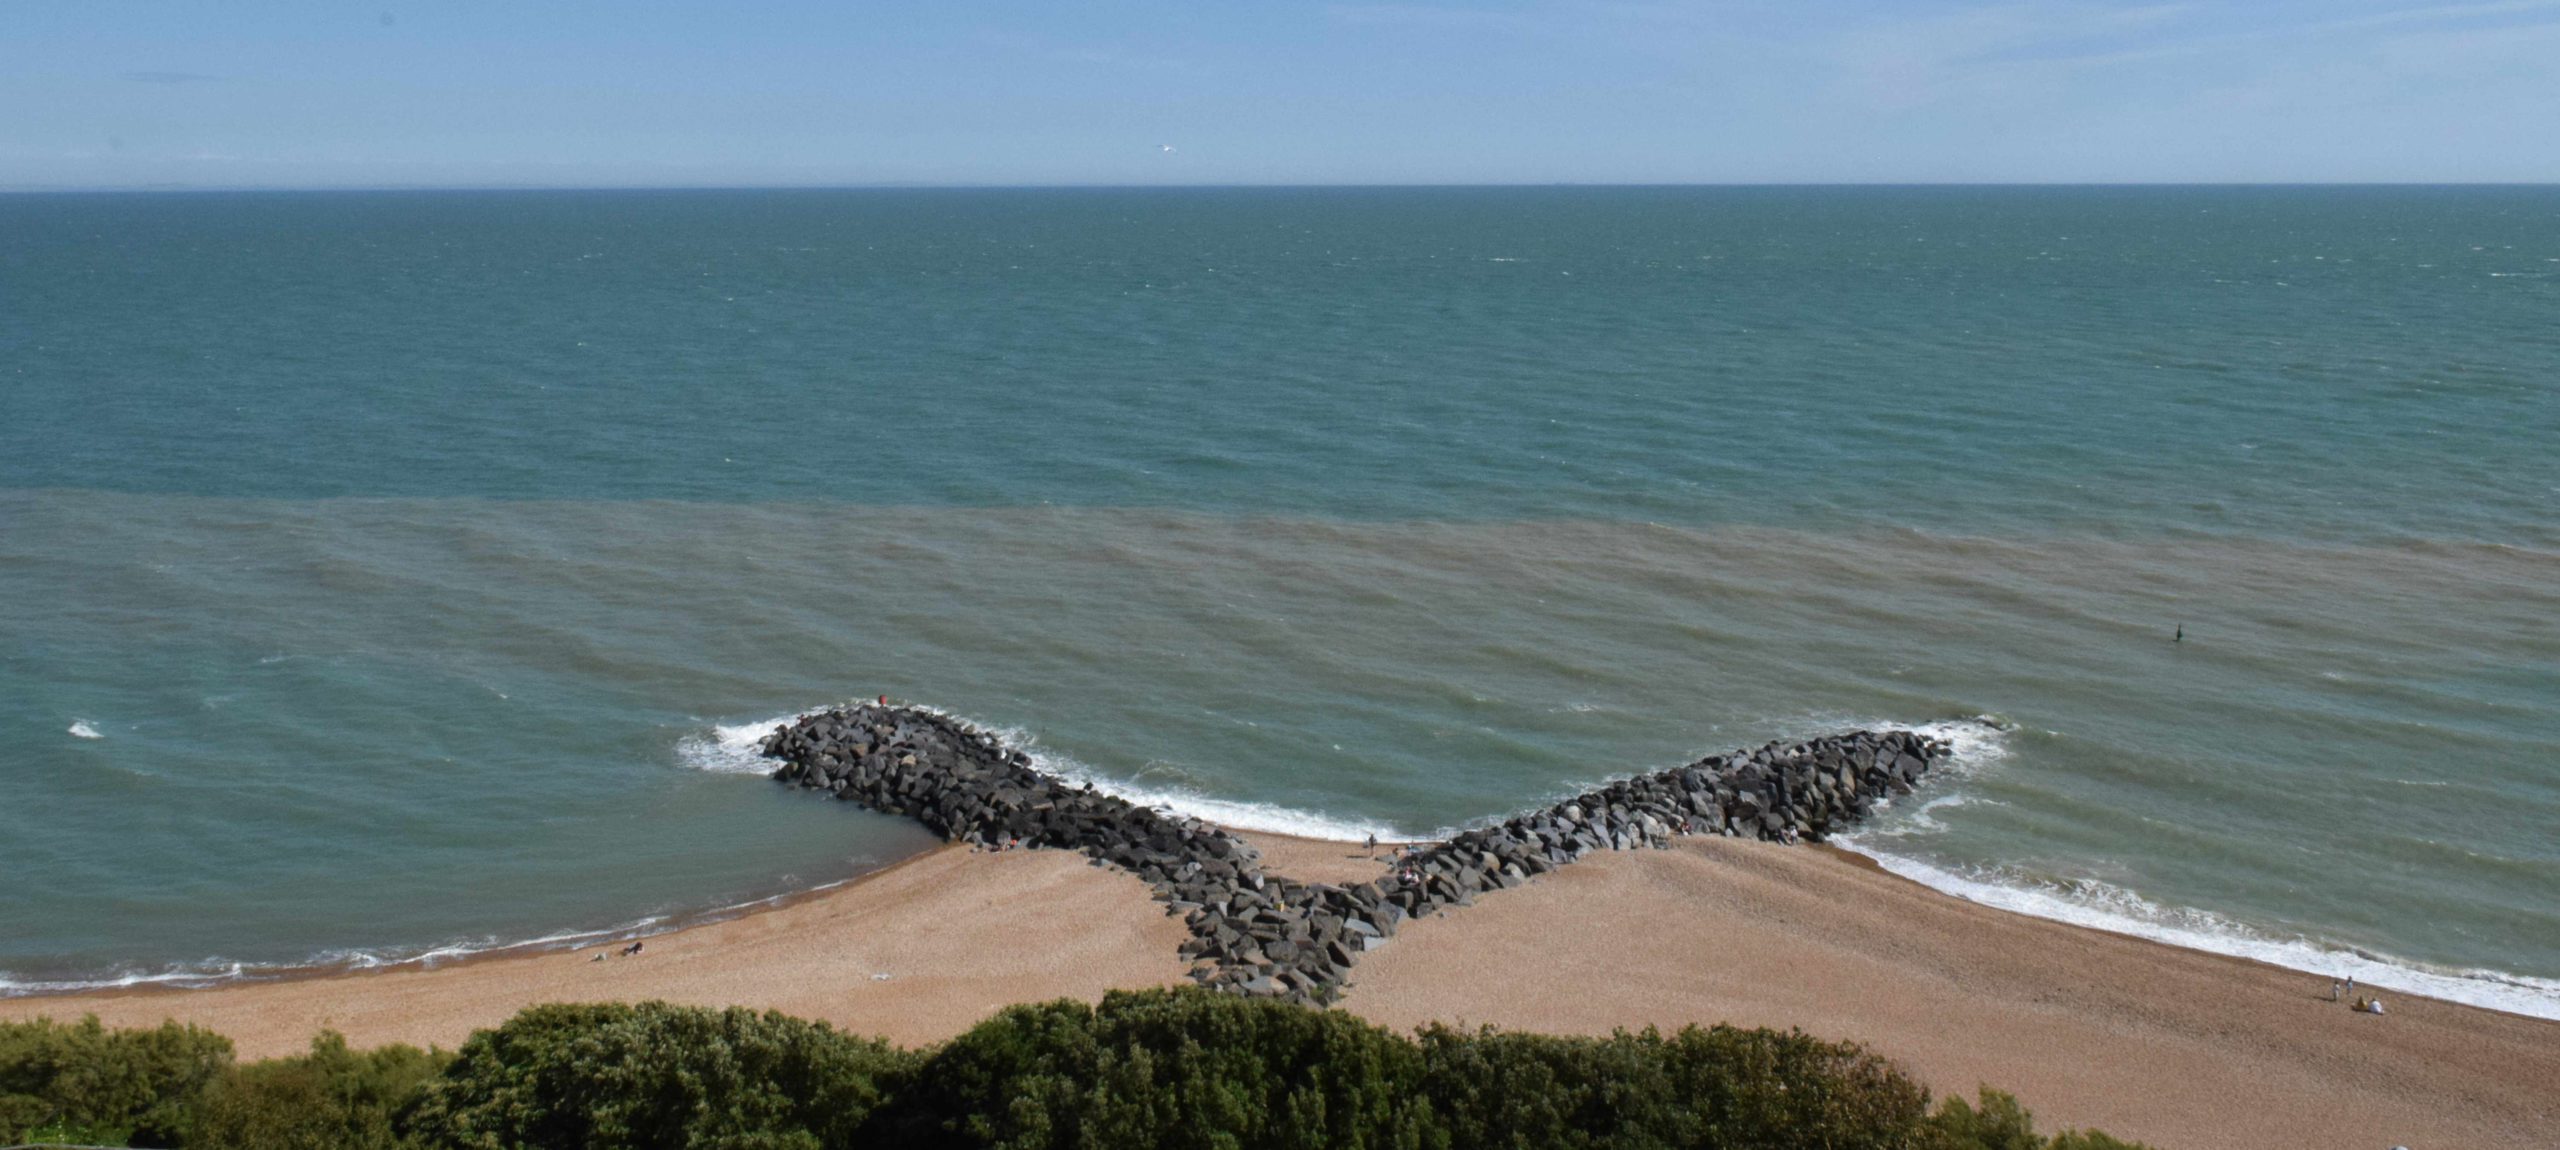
2174 1047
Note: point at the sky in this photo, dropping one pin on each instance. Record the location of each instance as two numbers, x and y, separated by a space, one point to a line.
125 93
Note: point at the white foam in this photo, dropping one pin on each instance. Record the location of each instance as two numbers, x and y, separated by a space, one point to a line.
731 750
1978 744
1981 744
2104 906
1238 814
1975 744
80 729
1921 822
216 970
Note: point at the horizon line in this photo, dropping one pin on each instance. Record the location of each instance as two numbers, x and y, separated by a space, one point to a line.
218 189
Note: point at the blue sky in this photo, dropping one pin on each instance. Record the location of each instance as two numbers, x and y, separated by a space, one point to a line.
115 93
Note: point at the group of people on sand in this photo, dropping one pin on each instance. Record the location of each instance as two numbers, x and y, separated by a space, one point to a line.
2363 1005
630 951
1403 856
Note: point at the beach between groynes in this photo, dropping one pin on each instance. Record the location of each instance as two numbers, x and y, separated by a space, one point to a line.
2173 1047
1266 934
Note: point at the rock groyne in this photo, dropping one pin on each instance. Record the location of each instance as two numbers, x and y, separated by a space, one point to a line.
1257 933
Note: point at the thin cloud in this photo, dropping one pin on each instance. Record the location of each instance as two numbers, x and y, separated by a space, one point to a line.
2172 35
2531 11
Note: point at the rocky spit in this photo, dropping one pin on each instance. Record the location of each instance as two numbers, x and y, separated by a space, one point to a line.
1257 933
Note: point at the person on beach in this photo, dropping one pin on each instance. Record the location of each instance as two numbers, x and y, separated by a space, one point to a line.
631 950
2335 989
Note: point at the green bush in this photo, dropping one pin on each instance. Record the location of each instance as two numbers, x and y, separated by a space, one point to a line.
656 1077
1184 1069
84 1083
1997 1122
1718 1087
1177 1069
2089 1140
330 1099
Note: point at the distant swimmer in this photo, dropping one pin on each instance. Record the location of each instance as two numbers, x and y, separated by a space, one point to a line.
2181 636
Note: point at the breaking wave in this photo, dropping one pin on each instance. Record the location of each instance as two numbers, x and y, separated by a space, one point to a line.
732 750
2105 906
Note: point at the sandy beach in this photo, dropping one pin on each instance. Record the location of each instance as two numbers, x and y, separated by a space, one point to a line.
2177 1048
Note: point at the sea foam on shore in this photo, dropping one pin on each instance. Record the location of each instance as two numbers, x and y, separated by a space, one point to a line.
2101 905
732 749
2108 907
217 971
1980 745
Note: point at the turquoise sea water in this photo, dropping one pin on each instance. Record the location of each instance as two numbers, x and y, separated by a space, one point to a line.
387 575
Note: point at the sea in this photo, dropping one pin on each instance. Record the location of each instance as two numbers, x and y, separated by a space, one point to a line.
387 577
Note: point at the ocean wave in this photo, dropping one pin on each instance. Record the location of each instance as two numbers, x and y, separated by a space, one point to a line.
1976 744
2117 910
1183 799
80 729
217 971
1979 744
733 750
1923 821
726 749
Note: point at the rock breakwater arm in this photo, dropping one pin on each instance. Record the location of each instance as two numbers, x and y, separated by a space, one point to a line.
1263 934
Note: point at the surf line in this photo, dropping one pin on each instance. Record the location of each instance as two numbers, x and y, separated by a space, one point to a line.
1265 935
